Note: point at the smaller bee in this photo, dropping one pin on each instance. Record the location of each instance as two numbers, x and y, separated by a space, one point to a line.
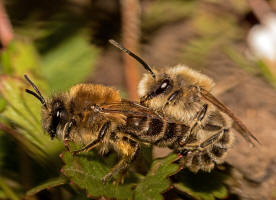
183 95
76 116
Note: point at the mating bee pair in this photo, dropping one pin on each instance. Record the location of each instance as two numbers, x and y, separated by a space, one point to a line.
176 110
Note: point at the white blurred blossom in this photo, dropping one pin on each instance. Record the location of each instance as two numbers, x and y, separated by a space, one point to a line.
262 38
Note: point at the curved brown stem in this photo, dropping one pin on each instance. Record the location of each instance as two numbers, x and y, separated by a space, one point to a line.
6 32
131 33
260 8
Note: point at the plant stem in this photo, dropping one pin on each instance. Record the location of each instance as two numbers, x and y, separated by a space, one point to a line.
131 33
6 32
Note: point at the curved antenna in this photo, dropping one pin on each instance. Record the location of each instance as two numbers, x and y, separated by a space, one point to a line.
37 94
140 60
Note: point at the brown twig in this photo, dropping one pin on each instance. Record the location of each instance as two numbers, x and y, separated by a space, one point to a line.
6 32
131 33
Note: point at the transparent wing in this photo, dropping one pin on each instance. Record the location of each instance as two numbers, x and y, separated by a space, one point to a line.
129 108
237 125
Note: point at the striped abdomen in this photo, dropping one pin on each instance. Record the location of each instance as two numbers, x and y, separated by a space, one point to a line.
197 153
155 130
204 157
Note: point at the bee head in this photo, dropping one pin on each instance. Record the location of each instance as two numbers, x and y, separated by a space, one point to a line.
53 111
171 78
54 116
149 87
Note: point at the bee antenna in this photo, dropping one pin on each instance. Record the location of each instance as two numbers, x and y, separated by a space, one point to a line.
140 60
37 94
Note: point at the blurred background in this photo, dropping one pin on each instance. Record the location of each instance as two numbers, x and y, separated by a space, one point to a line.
59 43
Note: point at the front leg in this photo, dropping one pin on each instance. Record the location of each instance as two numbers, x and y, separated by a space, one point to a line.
173 97
96 142
190 91
66 133
128 148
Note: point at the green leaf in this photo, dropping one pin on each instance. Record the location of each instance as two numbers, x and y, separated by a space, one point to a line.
47 184
3 195
19 58
2 104
156 181
87 170
8 191
203 185
69 63
23 110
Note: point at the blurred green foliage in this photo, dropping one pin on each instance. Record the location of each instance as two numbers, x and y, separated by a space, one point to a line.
20 112
163 12
69 63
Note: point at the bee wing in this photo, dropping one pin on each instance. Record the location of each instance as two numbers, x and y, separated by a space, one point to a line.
129 108
238 125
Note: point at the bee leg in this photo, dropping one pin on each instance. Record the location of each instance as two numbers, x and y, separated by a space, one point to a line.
211 139
199 117
96 142
194 145
205 143
87 147
172 97
202 113
129 150
66 133
121 177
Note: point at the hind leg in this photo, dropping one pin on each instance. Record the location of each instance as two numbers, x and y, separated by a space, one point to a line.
196 124
128 148
204 155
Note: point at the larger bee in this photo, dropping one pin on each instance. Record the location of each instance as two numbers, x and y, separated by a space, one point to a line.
96 117
183 95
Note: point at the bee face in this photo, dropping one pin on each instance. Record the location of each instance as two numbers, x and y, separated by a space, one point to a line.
159 86
54 116
178 76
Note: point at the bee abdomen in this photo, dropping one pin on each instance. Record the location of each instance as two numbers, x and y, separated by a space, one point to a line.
226 138
205 159
155 127
172 134
146 129
136 124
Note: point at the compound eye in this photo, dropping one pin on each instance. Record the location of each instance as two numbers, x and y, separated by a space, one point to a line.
61 114
165 85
